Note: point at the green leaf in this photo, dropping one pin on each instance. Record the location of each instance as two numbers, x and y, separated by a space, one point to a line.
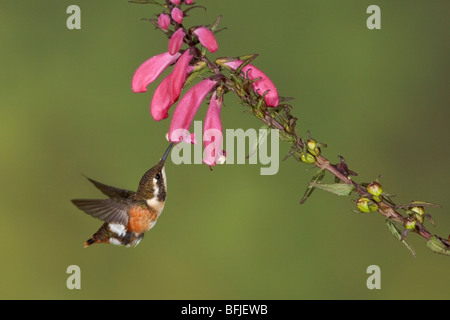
437 245
194 75
418 203
341 189
316 179
398 235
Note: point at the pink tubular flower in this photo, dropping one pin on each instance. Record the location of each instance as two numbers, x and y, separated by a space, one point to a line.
179 73
162 99
176 41
175 1
261 86
206 38
163 21
168 91
187 108
177 15
212 136
188 1
151 69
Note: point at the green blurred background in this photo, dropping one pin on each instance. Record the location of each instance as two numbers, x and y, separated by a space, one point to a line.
378 97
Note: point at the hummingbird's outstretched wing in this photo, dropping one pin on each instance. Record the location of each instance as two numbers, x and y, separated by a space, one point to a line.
110 191
112 210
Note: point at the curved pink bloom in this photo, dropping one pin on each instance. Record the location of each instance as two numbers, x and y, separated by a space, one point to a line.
175 1
177 15
206 38
179 73
187 108
188 1
164 21
162 100
263 85
212 136
176 41
168 91
151 69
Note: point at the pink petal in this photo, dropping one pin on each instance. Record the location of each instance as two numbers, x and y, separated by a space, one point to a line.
206 38
179 73
176 41
177 15
162 100
164 21
188 1
175 1
212 137
150 70
261 86
187 108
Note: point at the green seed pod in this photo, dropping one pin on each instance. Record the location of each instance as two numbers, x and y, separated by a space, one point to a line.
366 205
418 217
418 209
307 158
375 189
410 224
313 147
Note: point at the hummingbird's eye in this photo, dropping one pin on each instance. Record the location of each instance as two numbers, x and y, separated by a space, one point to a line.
158 176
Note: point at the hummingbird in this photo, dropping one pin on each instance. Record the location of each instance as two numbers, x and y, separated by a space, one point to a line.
127 215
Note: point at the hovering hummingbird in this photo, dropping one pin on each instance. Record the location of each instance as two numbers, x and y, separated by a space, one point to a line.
127 214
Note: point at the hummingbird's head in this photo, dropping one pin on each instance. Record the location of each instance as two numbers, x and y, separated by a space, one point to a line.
153 184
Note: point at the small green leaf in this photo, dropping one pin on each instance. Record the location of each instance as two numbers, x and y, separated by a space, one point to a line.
316 179
195 75
437 245
341 189
216 24
418 203
398 235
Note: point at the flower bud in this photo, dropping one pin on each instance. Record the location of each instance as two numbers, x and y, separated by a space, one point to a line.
163 21
206 38
177 15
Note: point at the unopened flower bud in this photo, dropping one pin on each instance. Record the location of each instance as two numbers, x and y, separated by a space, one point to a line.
177 15
163 21
206 38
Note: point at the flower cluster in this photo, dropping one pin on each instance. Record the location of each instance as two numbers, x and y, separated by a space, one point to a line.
188 62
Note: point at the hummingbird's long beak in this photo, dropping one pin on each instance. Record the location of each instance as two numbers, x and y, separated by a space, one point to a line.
164 157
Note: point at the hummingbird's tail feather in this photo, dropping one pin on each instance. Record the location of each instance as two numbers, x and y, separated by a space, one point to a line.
101 236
